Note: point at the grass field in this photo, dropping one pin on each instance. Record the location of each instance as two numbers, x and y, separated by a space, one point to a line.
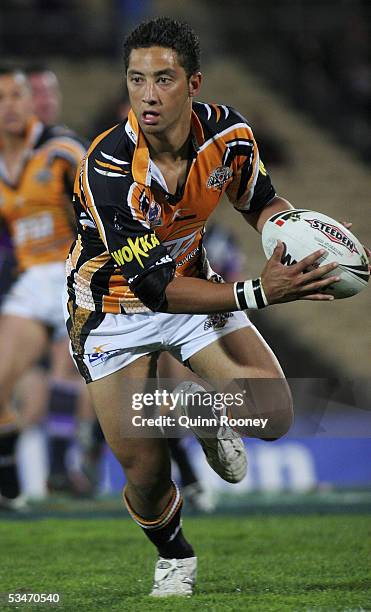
260 564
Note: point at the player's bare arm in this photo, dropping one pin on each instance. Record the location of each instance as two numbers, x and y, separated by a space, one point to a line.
257 219
281 284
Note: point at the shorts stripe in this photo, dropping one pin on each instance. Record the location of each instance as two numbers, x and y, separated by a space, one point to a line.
79 324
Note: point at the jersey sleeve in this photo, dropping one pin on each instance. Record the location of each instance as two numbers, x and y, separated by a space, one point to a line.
64 144
118 207
251 188
65 148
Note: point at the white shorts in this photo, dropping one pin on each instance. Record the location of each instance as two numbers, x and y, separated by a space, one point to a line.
104 343
37 295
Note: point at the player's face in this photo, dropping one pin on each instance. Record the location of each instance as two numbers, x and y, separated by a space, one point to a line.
160 92
15 104
46 96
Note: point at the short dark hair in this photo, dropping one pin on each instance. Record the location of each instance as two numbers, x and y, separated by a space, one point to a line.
14 71
10 70
168 33
36 69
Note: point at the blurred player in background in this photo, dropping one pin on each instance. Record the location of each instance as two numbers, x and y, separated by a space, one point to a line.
46 93
69 411
37 168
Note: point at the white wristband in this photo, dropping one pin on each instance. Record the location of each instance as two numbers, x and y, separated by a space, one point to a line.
249 295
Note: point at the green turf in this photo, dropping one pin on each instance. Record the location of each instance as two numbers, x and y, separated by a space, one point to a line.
256 563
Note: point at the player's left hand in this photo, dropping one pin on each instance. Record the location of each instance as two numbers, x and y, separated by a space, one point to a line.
348 225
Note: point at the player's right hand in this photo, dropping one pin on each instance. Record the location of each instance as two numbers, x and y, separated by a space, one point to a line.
301 281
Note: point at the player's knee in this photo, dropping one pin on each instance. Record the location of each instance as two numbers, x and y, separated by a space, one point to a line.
147 490
148 478
279 428
267 411
281 417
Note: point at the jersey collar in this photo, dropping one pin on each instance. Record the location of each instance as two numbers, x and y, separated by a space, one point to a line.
143 169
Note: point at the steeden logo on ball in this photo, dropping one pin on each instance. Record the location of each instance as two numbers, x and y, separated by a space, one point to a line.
333 233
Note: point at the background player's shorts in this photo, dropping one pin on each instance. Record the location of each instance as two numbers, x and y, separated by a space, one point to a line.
104 343
36 295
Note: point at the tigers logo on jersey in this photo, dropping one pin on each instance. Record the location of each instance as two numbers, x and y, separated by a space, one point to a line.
151 210
154 214
219 177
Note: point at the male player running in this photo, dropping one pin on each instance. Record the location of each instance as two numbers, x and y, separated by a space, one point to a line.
138 282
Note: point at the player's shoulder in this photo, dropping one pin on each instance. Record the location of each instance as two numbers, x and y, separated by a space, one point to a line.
217 118
109 159
111 148
57 135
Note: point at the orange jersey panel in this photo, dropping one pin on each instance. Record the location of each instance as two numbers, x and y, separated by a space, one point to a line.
35 207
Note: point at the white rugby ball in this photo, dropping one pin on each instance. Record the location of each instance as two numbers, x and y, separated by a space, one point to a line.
306 231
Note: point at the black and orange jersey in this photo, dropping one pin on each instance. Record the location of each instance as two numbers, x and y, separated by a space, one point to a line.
128 222
35 206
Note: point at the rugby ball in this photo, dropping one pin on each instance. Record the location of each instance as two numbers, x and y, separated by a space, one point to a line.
305 231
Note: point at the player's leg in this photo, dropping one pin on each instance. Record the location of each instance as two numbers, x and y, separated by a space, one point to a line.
22 342
244 354
90 439
61 364
31 397
65 389
192 489
232 356
152 499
